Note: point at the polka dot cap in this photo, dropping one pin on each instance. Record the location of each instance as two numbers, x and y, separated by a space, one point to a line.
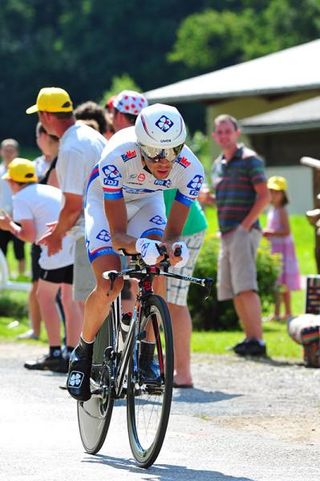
130 102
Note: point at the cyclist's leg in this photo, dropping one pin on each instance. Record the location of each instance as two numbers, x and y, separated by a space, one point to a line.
97 305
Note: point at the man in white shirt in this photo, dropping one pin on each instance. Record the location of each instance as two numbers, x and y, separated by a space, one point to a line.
80 149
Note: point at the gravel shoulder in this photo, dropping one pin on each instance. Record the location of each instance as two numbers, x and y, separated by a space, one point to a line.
245 420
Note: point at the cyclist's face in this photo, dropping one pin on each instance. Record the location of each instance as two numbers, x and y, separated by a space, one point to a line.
160 169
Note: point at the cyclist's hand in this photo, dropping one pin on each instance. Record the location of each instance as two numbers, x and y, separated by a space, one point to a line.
184 254
148 249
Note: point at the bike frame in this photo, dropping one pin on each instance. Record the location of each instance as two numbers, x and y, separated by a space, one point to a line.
145 274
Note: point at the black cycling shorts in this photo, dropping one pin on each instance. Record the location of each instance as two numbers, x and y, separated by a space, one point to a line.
58 276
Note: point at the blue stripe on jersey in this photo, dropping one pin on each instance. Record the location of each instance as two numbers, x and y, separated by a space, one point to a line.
183 199
94 174
152 232
101 252
117 194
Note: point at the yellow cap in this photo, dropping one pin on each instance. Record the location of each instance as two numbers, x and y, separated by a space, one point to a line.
51 99
277 183
21 170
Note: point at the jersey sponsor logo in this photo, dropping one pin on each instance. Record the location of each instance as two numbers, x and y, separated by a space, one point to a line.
158 220
195 185
183 161
130 154
163 182
164 123
144 248
141 177
104 235
112 175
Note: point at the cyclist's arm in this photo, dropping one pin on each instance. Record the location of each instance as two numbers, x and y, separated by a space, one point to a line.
116 213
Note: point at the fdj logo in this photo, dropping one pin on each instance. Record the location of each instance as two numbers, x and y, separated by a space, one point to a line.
111 175
163 182
195 184
164 123
157 219
104 235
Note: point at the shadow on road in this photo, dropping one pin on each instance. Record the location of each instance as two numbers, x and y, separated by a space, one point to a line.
275 362
163 472
199 396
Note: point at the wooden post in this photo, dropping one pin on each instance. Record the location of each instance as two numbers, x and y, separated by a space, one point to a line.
315 164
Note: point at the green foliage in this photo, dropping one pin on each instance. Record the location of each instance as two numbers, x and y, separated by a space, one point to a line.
119 83
211 314
199 143
215 38
13 304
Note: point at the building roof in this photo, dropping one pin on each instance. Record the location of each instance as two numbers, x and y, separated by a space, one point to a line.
288 70
299 116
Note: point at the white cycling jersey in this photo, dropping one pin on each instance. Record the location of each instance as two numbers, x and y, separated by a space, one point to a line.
121 173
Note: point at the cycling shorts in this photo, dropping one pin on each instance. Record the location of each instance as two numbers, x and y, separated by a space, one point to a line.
146 216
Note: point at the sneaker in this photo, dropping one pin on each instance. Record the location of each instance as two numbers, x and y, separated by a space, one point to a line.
48 363
78 381
28 335
149 367
250 347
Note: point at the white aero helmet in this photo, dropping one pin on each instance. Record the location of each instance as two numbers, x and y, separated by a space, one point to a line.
160 126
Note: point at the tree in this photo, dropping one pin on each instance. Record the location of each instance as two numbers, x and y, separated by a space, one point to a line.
214 39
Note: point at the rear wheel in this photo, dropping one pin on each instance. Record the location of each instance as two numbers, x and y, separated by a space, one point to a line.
94 416
149 402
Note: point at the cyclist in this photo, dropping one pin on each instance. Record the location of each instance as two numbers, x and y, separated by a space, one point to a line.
124 210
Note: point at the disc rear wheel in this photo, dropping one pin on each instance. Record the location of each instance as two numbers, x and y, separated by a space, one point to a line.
94 416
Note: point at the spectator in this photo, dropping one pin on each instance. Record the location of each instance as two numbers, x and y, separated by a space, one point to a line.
46 172
9 150
92 111
109 118
278 232
177 291
241 195
46 162
34 206
80 149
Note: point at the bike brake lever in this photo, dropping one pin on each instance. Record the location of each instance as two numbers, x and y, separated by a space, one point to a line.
208 285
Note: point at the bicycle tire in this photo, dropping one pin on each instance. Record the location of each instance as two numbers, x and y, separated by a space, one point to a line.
94 416
148 407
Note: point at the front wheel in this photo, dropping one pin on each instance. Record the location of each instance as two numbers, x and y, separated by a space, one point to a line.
94 416
149 401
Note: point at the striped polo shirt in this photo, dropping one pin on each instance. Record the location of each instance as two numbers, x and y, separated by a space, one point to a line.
234 182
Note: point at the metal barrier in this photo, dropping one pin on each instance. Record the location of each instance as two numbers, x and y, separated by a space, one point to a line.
5 283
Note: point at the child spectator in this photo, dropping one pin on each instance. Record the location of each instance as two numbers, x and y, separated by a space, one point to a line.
278 232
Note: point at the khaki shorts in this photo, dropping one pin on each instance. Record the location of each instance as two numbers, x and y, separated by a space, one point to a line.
237 263
177 290
83 276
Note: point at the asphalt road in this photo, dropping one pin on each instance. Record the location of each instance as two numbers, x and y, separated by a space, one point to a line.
244 421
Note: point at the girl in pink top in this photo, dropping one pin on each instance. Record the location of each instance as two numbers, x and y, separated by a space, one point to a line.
278 232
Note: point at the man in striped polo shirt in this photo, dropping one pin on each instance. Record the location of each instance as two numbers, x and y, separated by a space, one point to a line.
241 195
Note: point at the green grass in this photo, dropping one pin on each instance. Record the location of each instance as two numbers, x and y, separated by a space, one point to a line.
279 343
275 334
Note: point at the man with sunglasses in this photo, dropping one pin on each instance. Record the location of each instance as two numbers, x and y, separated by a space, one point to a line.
124 210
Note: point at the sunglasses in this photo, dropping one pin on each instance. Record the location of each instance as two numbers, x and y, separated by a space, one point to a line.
155 154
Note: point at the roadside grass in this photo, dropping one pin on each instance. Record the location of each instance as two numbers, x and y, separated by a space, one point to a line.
279 343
